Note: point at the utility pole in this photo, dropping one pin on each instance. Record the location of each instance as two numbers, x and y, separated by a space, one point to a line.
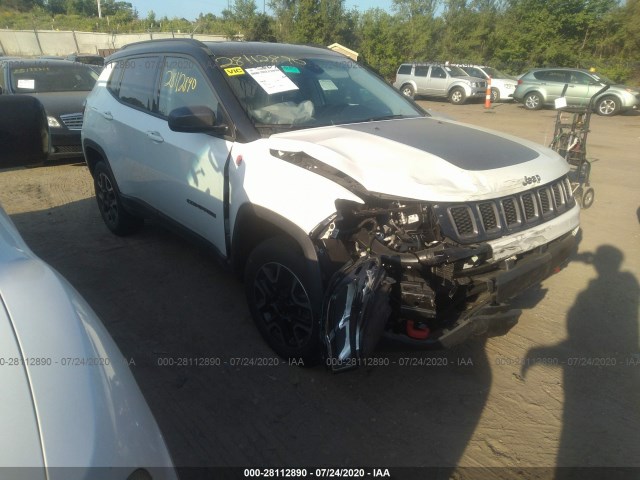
99 10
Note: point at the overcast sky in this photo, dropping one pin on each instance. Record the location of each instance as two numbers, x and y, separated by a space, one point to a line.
190 9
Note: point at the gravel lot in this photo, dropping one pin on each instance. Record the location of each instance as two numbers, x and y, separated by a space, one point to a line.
561 389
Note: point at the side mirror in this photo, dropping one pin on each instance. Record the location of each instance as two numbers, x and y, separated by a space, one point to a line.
195 119
24 132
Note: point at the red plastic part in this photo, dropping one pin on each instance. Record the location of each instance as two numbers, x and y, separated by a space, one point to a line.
419 333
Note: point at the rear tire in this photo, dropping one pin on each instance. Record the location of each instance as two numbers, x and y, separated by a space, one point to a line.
115 217
408 91
281 300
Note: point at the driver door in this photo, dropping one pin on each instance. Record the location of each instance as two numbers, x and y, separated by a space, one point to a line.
185 171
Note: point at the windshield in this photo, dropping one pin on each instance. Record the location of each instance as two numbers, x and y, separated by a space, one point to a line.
603 79
456 71
280 93
49 77
495 73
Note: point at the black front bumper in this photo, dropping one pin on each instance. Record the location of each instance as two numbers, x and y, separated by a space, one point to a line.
494 317
490 314
65 143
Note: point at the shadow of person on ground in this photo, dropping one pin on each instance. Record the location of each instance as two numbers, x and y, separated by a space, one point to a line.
601 371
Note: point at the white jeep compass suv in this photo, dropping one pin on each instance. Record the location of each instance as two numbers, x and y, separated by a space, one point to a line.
349 212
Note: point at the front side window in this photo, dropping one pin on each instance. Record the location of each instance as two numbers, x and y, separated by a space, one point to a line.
182 84
137 86
580 78
280 92
438 72
404 70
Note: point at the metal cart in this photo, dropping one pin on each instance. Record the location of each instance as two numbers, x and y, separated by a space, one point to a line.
570 141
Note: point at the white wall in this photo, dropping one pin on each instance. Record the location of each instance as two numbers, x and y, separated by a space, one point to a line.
30 43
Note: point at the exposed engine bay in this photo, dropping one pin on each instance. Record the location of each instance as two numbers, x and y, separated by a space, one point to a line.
425 272
391 270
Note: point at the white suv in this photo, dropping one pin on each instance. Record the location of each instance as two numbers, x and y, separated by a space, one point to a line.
502 85
349 212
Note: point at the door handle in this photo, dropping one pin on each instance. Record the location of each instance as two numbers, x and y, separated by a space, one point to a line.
107 115
155 136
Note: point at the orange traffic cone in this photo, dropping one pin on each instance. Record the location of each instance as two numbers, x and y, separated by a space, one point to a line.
487 100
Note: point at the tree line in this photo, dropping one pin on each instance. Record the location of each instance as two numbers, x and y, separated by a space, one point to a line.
512 35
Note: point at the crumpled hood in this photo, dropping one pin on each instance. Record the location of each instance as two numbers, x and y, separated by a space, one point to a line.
427 158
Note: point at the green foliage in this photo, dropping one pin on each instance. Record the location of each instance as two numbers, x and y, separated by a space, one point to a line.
319 22
513 35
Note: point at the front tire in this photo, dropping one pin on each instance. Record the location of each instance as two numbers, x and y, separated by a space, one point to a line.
457 96
532 101
495 95
608 106
115 217
281 300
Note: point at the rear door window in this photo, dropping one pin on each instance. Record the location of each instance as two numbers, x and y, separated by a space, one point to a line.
552 76
138 84
422 70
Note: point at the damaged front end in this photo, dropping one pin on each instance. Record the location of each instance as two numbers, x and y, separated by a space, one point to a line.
399 268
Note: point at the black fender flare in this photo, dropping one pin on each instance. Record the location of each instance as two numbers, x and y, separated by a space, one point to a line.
90 159
254 224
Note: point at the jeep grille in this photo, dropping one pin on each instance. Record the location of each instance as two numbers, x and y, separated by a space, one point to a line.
485 220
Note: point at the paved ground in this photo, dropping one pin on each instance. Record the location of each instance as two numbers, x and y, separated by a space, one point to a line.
562 388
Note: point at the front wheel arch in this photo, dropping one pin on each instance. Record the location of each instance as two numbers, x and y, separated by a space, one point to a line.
253 224
283 299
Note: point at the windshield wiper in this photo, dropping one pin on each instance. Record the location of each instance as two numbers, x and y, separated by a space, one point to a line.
387 117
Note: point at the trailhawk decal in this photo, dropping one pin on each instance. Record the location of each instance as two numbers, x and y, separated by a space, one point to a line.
459 145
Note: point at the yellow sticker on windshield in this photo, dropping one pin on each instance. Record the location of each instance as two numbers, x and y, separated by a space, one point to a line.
234 71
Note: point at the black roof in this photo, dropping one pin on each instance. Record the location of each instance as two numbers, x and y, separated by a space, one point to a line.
187 45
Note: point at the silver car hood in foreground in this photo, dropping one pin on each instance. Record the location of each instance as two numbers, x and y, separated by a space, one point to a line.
68 396
427 158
